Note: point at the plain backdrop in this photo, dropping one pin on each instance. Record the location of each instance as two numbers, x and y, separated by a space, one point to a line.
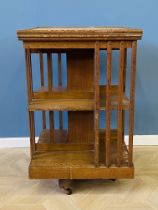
21 14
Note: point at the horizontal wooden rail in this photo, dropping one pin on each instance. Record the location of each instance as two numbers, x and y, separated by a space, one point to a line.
64 147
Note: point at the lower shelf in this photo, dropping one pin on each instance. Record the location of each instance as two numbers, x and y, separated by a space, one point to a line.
78 164
73 165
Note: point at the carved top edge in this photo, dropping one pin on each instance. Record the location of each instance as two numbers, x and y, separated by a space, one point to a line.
79 33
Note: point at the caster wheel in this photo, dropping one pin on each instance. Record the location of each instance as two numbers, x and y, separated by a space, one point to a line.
113 180
68 191
65 184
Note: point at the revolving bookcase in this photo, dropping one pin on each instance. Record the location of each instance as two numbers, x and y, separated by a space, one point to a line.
81 149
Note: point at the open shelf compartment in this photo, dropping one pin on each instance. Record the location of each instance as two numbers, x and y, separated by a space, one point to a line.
63 99
76 161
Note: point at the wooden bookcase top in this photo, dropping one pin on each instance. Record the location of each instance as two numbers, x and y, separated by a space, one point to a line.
80 33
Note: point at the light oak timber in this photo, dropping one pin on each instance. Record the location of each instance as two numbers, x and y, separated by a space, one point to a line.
64 46
108 104
87 33
61 141
119 108
50 86
64 157
80 68
83 151
132 99
63 98
97 102
60 85
42 85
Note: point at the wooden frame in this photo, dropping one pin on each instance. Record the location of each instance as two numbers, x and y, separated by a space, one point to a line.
83 151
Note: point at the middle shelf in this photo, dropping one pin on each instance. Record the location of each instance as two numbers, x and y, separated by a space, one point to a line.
64 99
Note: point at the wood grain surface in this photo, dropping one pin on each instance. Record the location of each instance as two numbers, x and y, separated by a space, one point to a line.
82 150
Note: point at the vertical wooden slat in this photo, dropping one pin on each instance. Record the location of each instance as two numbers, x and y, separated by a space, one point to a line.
120 97
29 92
32 132
60 85
108 85
132 100
59 70
97 103
50 79
51 122
124 91
50 85
42 84
41 68
28 73
124 70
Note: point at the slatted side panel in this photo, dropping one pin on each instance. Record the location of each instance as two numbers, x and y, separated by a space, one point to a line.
50 86
42 85
108 110
132 100
97 102
120 108
29 92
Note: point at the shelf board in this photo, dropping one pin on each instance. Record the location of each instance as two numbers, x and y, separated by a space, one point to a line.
62 104
78 163
63 99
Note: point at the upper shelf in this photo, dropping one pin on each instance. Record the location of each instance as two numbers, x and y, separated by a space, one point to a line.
63 99
79 33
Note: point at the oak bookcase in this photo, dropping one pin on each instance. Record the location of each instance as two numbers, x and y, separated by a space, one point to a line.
82 150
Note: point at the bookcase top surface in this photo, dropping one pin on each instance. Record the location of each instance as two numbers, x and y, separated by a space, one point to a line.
91 33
